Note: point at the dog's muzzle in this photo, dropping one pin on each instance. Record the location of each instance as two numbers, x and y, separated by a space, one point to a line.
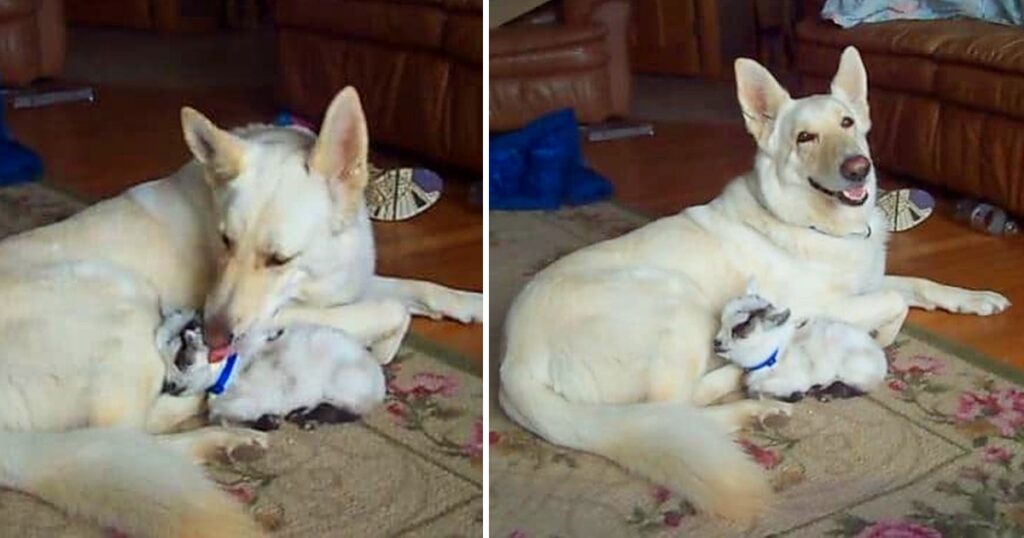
854 170
854 196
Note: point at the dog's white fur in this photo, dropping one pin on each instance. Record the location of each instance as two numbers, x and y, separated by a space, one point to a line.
807 353
300 366
84 298
608 350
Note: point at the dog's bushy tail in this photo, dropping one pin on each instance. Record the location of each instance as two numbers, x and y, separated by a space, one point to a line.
122 479
674 445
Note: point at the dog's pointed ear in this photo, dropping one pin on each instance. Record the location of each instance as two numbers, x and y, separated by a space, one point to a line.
851 86
752 286
761 97
340 152
220 151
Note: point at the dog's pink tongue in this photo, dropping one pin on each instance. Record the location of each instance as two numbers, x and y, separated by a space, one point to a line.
219 354
856 193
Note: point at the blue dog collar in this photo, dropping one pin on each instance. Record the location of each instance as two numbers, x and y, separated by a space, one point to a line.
225 375
768 363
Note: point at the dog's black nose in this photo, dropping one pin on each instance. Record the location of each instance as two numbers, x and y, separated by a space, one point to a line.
855 168
719 347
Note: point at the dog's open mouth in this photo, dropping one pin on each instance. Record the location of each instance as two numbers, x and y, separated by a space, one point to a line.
854 196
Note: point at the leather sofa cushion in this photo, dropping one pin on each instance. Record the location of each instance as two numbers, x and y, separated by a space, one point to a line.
515 101
907 73
419 24
475 6
540 50
17 9
962 41
971 63
464 38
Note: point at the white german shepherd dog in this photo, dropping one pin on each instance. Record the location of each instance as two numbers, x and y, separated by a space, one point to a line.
609 350
265 223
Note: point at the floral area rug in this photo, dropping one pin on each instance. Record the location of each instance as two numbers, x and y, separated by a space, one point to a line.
411 468
938 451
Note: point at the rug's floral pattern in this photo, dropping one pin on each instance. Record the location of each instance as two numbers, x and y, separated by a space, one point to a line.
988 492
662 511
421 402
991 503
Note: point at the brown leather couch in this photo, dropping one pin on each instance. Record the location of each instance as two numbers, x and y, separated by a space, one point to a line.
947 98
155 15
579 61
32 40
417 65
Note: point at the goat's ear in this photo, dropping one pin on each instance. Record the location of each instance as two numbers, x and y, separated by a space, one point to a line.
778 318
220 151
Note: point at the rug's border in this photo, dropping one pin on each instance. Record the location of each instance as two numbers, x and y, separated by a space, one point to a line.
969 354
437 350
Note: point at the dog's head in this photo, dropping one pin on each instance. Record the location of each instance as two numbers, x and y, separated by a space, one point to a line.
751 329
285 202
814 149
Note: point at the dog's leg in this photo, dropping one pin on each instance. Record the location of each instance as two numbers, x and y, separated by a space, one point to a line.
206 444
881 314
735 415
168 411
429 299
378 325
718 383
923 293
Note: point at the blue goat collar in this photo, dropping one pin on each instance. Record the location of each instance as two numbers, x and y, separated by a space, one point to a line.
225 375
768 363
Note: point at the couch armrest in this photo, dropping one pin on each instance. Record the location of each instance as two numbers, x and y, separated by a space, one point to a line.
614 16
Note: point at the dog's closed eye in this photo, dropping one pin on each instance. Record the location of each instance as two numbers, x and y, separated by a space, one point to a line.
277 260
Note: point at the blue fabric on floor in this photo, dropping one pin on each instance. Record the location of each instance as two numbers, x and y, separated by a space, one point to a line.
17 163
541 166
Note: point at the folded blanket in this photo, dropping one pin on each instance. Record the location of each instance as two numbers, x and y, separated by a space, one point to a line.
848 13
541 166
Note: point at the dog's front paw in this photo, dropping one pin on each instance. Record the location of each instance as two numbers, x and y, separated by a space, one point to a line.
980 303
774 412
242 444
462 306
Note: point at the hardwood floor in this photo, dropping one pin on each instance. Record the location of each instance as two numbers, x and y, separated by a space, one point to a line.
687 164
130 135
